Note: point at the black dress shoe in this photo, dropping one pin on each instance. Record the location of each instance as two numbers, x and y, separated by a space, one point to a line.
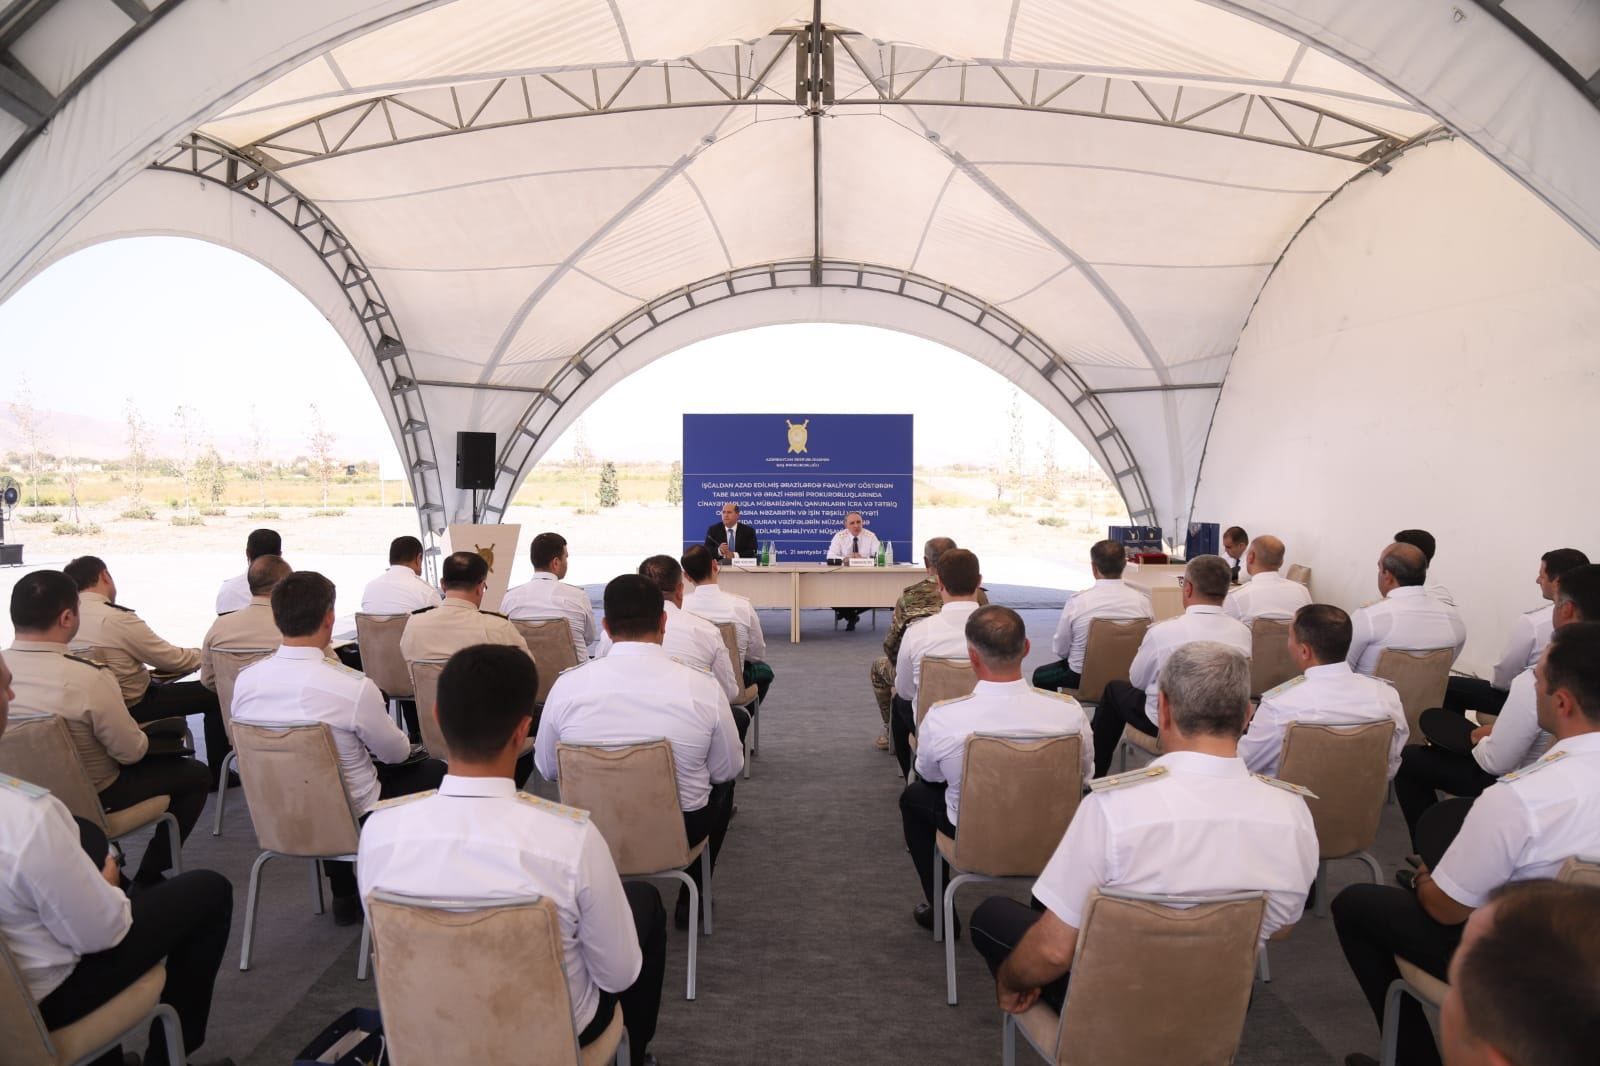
347 910
923 916
850 626
1356 1058
1406 879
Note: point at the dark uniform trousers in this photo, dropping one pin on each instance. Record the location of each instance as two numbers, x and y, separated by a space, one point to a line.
923 817
184 921
400 779
998 926
1426 770
1120 705
1053 677
902 723
1463 694
179 699
1377 922
178 777
641 1001
760 675
709 821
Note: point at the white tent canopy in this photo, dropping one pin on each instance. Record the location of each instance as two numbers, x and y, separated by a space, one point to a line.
505 205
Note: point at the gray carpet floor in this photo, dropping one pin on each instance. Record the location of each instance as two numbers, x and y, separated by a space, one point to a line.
815 957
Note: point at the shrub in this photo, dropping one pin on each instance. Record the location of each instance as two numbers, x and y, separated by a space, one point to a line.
1052 520
140 514
40 517
1000 507
214 512
72 529
327 512
264 514
188 520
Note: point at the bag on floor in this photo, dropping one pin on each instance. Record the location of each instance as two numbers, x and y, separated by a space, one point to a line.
356 1039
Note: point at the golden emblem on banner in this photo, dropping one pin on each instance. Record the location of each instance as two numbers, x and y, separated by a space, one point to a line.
488 555
797 435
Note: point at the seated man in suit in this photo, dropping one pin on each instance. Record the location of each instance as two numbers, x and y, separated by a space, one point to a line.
731 537
114 751
1195 822
1407 618
504 843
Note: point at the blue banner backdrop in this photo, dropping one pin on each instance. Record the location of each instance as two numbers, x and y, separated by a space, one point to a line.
795 477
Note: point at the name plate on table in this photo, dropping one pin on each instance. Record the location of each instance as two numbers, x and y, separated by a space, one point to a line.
861 562
744 563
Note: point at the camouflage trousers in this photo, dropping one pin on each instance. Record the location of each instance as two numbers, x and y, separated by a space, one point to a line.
882 674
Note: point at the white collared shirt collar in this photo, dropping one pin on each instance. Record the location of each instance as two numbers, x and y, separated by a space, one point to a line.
1581 743
1202 608
641 649
1340 669
1195 762
477 787
286 651
457 602
1407 592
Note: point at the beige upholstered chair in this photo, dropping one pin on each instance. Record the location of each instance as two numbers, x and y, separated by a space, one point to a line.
942 679
1300 574
119 660
425 690
38 748
378 637
487 947
631 794
126 1017
226 664
1270 663
1347 769
550 643
1133 738
1191 958
1581 872
1420 677
298 804
749 699
1018 795
1108 654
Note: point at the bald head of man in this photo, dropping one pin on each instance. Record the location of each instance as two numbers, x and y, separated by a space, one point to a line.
1401 566
1265 553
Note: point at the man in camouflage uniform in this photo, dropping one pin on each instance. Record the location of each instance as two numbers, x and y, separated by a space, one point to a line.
917 601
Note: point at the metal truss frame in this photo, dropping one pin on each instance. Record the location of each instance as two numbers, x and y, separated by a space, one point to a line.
213 161
865 76
1108 443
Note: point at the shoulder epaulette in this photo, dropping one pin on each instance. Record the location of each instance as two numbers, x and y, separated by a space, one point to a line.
225 614
383 805
577 666
119 607
1287 786
573 814
1132 777
1537 610
86 662
1278 690
948 702
1056 693
1535 767
425 610
26 788
497 614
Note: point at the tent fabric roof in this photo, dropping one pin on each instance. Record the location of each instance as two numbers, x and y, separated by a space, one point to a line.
1106 184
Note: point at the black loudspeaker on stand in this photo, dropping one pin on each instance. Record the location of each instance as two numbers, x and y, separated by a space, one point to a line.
475 465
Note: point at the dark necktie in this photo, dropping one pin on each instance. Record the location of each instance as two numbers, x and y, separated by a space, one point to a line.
855 545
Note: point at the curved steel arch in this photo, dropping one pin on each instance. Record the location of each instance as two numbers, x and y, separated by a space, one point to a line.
1100 434
211 160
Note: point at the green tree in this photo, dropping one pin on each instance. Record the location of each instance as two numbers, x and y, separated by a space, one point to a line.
675 483
610 494
211 473
138 454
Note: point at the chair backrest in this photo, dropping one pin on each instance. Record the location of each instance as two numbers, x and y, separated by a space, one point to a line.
1108 654
1018 795
1198 963
1420 677
1347 766
27 1041
631 794
730 641
943 679
425 684
226 664
1578 871
550 644
378 636
507 998
296 794
1298 573
1270 662
38 748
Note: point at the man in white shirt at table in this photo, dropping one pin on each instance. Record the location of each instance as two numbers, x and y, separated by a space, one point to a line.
1108 597
234 593
708 600
942 635
400 589
1407 618
854 541
1268 594
546 596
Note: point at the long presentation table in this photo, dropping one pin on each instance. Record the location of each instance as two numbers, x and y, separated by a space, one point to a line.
799 585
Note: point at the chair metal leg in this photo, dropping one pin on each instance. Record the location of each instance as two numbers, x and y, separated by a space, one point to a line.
222 792
938 894
749 743
1008 1040
694 924
171 1033
395 713
705 879
366 949
949 915
755 729
1264 967
1122 756
252 897
1391 1022
1322 889
625 1049
174 841
1372 866
316 886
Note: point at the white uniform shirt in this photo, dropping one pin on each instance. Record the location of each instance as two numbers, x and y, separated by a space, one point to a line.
638 693
542 598
234 593
479 838
55 907
1529 634
714 605
693 641
1408 619
398 590
1332 694
1440 593
1528 824
942 635
1200 622
1108 597
1010 707
299 685
839 547
1206 827
1268 595
1516 739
